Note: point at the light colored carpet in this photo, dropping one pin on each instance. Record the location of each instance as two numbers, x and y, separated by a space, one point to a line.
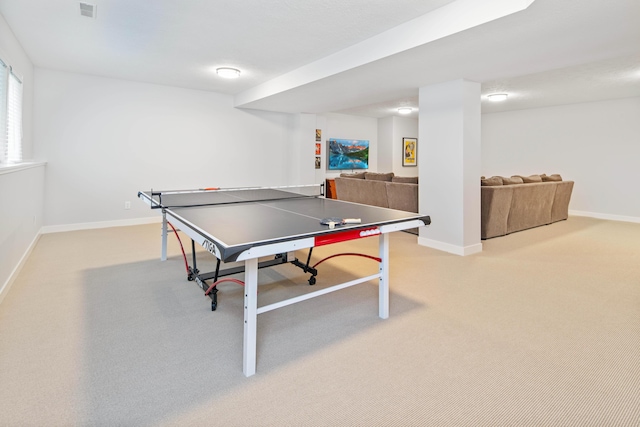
540 329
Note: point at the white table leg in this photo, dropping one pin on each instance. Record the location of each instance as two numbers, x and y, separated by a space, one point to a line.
250 316
163 254
383 290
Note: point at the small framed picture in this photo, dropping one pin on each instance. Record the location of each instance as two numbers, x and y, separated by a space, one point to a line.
318 148
409 151
317 162
318 134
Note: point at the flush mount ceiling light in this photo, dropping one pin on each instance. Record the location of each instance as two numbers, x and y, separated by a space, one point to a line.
405 110
228 73
497 97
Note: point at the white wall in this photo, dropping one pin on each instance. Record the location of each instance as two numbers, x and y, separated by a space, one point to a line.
106 139
21 191
302 150
595 144
321 123
391 131
21 207
403 127
11 50
385 143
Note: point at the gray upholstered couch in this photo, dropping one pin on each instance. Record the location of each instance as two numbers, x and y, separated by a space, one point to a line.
379 189
518 203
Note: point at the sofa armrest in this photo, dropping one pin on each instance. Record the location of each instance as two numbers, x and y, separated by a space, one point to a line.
402 196
560 208
495 205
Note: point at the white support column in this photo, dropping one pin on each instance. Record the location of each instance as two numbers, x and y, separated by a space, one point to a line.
250 316
450 162
383 289
163 254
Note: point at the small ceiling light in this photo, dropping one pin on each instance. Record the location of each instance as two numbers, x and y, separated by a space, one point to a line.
228 73
497 97
405 110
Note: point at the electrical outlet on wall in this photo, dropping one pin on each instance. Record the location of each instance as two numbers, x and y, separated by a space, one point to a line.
127 205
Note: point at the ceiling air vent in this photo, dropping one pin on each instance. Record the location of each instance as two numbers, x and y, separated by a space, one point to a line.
88 10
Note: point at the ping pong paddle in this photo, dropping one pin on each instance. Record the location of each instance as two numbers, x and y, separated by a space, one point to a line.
332 222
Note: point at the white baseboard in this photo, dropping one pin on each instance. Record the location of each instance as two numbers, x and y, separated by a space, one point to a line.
102 224
606 216
452 249
4 290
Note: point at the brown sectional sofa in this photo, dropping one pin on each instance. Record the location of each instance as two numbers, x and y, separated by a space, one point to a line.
518 203
379 189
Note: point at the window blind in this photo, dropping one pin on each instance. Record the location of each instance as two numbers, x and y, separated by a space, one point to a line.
4 83
14 119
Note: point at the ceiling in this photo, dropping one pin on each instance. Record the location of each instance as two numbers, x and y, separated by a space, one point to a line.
364 57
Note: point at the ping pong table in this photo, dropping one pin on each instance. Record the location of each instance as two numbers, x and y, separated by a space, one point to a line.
246 224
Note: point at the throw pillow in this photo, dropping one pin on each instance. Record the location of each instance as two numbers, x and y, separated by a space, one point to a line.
378 176
352 175
551 178
405 179
491 182
529 179
511 181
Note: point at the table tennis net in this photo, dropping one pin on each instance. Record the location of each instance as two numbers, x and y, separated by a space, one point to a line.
223 196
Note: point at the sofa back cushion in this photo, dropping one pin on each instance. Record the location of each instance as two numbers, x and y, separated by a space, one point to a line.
512 180
367 192
405 179
491 182
551 178
379 176
529 179
359 175
530 206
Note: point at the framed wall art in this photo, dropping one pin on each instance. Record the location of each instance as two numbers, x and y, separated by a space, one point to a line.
409 151
347 154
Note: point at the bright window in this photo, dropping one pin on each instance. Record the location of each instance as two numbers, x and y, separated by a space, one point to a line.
10 115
